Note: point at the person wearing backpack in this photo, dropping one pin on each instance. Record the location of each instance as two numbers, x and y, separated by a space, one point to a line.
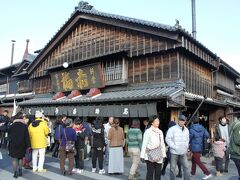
234 145
197 135
98 144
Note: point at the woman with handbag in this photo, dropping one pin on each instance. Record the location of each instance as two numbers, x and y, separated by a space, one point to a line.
67 147
153 149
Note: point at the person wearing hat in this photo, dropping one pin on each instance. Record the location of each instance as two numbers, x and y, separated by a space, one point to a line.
38 132
177 139
197 134
134 140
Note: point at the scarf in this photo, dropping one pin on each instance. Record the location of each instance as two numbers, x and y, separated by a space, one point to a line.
224 133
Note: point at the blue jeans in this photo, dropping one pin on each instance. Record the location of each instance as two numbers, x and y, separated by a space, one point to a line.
184 163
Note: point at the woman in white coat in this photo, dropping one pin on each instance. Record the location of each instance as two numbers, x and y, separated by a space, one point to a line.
153 138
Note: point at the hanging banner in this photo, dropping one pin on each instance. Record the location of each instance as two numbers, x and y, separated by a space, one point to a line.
78 79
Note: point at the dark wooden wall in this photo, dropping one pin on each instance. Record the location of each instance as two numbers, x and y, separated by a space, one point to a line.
197 77
42 85
91 39
161 67
224 82
171 66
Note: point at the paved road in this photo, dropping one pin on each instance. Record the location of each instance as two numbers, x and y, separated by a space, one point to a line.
53 172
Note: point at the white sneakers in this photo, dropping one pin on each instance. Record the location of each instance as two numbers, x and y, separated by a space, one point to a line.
93 170
207 176
101 171
79 171
74 170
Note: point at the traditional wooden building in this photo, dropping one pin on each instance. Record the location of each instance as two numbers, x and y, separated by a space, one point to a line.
101 64
15 84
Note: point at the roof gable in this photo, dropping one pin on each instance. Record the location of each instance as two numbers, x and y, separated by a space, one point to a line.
80 15
21 69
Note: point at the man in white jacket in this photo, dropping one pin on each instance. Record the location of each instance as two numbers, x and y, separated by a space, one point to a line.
177 139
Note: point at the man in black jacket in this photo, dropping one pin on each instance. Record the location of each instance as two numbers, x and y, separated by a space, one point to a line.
4 120
80 145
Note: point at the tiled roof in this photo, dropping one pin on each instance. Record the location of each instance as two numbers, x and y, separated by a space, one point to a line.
175 28
191 96
16 96
128 19
114 96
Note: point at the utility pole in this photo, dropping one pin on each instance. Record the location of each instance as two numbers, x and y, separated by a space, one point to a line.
194 30
13 41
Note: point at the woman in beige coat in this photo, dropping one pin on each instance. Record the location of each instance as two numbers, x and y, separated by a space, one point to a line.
116 142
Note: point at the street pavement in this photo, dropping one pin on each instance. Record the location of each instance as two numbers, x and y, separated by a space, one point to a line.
53 171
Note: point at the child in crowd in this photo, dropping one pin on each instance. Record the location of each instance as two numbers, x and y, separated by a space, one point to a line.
218 153
80 145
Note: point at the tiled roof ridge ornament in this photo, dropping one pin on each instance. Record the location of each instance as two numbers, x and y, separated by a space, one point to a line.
83 5
58 96
94 92
177 24
74 94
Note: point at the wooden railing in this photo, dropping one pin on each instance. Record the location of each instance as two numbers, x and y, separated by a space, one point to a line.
112 73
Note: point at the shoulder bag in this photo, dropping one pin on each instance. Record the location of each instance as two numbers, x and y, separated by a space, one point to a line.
70 145
155 155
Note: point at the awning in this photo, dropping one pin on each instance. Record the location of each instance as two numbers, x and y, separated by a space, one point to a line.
135 102
138 94
123 110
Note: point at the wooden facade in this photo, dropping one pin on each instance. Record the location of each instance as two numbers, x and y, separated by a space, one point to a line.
91 39
169 67
131 53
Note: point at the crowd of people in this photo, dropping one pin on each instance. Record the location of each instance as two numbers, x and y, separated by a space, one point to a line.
28 138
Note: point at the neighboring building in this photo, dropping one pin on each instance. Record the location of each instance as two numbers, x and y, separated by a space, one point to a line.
14 82
126 67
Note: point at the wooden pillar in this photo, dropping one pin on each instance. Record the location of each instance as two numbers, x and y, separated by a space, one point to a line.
174 114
